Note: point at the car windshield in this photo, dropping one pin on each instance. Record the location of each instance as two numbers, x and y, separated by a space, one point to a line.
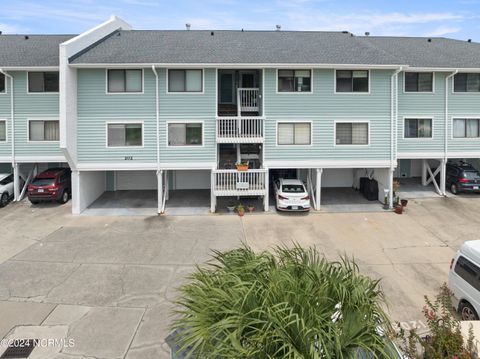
471 175
43 182
6 180
293 188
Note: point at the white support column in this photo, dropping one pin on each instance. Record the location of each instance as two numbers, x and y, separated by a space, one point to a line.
76 199
318 189
267 190
167 187
16 182
213 198
390 187
424 172
160 191
443 173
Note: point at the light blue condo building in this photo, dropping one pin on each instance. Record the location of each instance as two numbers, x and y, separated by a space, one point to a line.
167 111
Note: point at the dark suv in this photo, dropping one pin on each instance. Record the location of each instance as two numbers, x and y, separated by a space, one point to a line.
462 177
53 184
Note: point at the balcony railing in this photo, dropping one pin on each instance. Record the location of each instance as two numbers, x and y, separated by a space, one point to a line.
240 183
248 100
240 129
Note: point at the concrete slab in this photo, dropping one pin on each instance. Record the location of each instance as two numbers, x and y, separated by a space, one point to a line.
104 332
411 188
124 203
66 314
22 313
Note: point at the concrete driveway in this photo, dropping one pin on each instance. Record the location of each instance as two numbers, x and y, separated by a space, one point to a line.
107 283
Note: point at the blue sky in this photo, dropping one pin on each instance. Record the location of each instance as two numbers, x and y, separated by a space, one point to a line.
454 18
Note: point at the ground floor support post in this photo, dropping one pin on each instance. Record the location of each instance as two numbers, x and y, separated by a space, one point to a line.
390 187
424 172
318 189
267 190
160 191
16 182
443 176
213 198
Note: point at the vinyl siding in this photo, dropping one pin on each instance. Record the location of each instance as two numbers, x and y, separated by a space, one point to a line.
28 106
323 107
96 108
462 105
427 105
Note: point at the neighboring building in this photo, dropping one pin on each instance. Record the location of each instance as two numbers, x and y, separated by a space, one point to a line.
173 110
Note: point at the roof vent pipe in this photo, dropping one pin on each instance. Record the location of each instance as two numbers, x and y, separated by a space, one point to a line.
429 40
367 34
187 25
26 37
469 40
278 27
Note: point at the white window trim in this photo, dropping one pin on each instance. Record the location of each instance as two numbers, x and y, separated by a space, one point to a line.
294 121
125 92
420 92
124 122
457 117
42 92
294 92
413 117
463 92
352 92
41 119
6 130
168 92
350 145
186 122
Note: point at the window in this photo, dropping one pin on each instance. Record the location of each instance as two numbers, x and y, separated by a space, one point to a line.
294 133
294 81
418 128
125 135
185 134
2 83
466 128
353 133
466 83
3 131
185 81
418 81
125 81
352 81
43 130
468 271
43 82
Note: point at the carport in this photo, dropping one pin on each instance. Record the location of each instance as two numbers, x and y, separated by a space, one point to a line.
419 178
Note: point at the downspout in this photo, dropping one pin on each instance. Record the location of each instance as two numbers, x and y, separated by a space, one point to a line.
157 116
12 114
393 127
446 113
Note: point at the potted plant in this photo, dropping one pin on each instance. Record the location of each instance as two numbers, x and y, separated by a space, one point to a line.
231 208
242 166
385 203
404 202
398 209
251 208
240 210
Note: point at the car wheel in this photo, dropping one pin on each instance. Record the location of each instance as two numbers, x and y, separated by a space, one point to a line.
64 198
454 188
34 202
4 200
467 312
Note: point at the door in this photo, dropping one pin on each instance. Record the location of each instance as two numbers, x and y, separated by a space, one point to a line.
247 79
226 87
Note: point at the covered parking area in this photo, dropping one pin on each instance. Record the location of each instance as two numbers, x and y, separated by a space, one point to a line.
420 178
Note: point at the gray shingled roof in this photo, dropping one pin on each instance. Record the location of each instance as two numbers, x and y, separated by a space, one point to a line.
37 50
145 46
438 52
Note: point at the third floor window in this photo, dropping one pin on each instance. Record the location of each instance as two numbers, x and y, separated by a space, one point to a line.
294 81
418 81
125 80
352 81
466 82
43 82
185 81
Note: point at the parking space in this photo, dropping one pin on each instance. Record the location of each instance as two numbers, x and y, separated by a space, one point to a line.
343 199
89 272
126 203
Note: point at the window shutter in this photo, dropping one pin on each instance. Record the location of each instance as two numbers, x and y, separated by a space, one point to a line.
285 134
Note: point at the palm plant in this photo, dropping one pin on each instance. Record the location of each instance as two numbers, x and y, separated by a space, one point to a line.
291 303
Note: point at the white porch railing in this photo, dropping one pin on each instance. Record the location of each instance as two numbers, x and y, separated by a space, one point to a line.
248 100
240 183
240 129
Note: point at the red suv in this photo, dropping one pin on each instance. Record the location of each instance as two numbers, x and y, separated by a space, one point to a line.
54 184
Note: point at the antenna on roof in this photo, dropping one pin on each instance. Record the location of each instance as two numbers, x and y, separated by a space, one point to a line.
187 25
367 34
278 27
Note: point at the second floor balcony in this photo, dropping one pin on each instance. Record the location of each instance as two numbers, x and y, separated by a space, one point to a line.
240 130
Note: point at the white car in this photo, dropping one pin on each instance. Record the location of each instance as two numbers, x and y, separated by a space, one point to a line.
6 188
464 280
291 195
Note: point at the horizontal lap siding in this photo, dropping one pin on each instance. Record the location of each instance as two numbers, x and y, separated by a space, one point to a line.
33 106
462 105
6 146
189 108
412 105
96 108
323 107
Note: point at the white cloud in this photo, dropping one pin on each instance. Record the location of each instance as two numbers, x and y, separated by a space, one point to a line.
442 30
12 29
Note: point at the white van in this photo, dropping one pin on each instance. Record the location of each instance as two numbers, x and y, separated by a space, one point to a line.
464 280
